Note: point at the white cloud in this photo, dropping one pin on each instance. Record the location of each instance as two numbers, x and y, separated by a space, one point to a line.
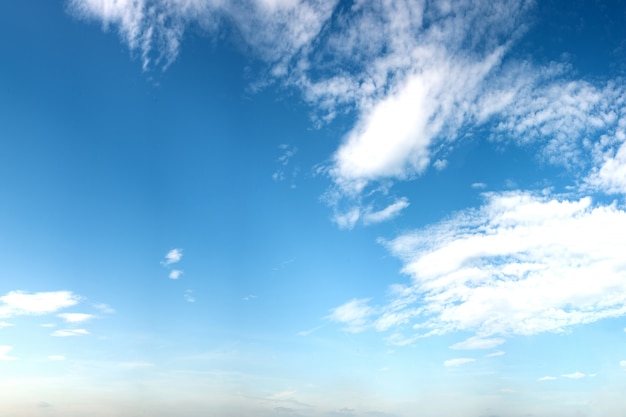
575 375
622 364
494 354
354 315
477 343
547 378
48 325
5 324
189 296
17 303
387 213
69 332
56 357
521 264
75 317
175 274
440 164
458 362
4 350
479 185
173 256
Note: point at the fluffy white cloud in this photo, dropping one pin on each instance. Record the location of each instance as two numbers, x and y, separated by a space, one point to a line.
458 361
173 256
75 317
575 375
4 353
175 274
17 303
389 212
521 264
69 332
546 378
478 343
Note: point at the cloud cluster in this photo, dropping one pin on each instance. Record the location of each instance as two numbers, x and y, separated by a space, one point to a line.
521 264
172 257
16 303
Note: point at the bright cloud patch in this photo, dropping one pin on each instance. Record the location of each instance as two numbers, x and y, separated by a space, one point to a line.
173 256
4 353
574 375
5 324
56 357
175 274
75 317
547 378
17 303
70 332
522 264
458 362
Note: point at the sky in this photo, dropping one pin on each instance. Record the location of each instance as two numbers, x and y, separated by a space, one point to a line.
313 208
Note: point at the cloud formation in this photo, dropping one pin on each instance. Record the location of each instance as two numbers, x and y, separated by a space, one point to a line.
474 343
521 264
16 303
172 257
75 317
458 362
69 332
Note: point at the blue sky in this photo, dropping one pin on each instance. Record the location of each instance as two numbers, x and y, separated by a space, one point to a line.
312 208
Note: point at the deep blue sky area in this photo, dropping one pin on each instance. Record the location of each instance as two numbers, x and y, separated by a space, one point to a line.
312 208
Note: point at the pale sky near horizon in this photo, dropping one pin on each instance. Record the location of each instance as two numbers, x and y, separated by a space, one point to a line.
312 208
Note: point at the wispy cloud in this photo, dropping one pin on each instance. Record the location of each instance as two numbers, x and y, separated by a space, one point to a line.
104 308
249 297
494 354
305 333
56 357
5 324
75 317
69 332
172 257
622 364
518 265
387 213
479 185
547 378
354 315
189 296
17 303
458 362
574 375
477 343
4 356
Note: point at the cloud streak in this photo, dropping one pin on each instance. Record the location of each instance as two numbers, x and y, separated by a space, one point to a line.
16 303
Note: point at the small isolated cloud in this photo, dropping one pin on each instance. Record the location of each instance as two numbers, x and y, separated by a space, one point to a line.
16 303
479 185
173 256
135 365
175 274
5 324
75 317
575 375
474 343
458 362
547 378
69 332
48 325
494 354
4 350
104 308
622 364
189 296
388 213
56 357
249 297
354 315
